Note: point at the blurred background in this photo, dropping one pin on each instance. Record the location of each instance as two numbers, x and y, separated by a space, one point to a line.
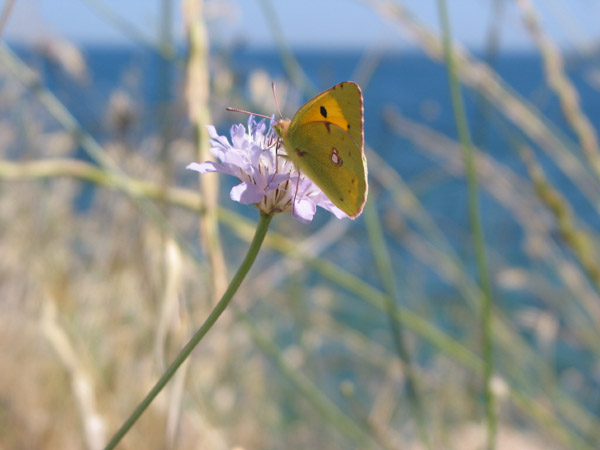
346 334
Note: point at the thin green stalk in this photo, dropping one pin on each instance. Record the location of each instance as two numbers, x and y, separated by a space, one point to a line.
563 87
484 107
164 89
476 228
291 65
580 242
130 30
259 236
5 14
385 271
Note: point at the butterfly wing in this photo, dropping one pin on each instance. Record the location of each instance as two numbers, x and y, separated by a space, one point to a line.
325 140
341 105
335 163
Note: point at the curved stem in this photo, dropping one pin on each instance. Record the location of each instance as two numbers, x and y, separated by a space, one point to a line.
259 236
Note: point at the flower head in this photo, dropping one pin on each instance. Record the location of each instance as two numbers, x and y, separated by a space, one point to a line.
270 182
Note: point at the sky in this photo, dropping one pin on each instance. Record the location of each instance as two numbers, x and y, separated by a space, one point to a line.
305 23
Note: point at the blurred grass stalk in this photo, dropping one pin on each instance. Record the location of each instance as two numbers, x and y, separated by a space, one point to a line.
480 77
388 275
483 108
476 228
5 14
197 91
563 87
164 76
290 64
74 168
82 383
580 242
129 29
171 320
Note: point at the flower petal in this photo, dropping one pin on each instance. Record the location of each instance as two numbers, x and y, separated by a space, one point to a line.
304 209
246 193
205 167
236 158
239 138
212 132
276 180
337 212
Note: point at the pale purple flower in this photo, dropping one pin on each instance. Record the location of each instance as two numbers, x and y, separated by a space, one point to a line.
270 182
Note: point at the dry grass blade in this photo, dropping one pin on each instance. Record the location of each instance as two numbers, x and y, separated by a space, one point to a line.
563 87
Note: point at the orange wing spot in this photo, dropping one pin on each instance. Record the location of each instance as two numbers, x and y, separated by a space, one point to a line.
300 152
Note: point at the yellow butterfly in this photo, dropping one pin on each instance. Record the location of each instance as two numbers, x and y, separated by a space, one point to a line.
325 140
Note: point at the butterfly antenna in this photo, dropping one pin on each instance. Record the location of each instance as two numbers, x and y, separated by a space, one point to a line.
276 101
229 108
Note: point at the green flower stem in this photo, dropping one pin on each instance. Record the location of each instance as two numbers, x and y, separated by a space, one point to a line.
259 236
476 228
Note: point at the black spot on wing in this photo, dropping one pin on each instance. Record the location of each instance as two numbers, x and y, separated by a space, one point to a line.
323 111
